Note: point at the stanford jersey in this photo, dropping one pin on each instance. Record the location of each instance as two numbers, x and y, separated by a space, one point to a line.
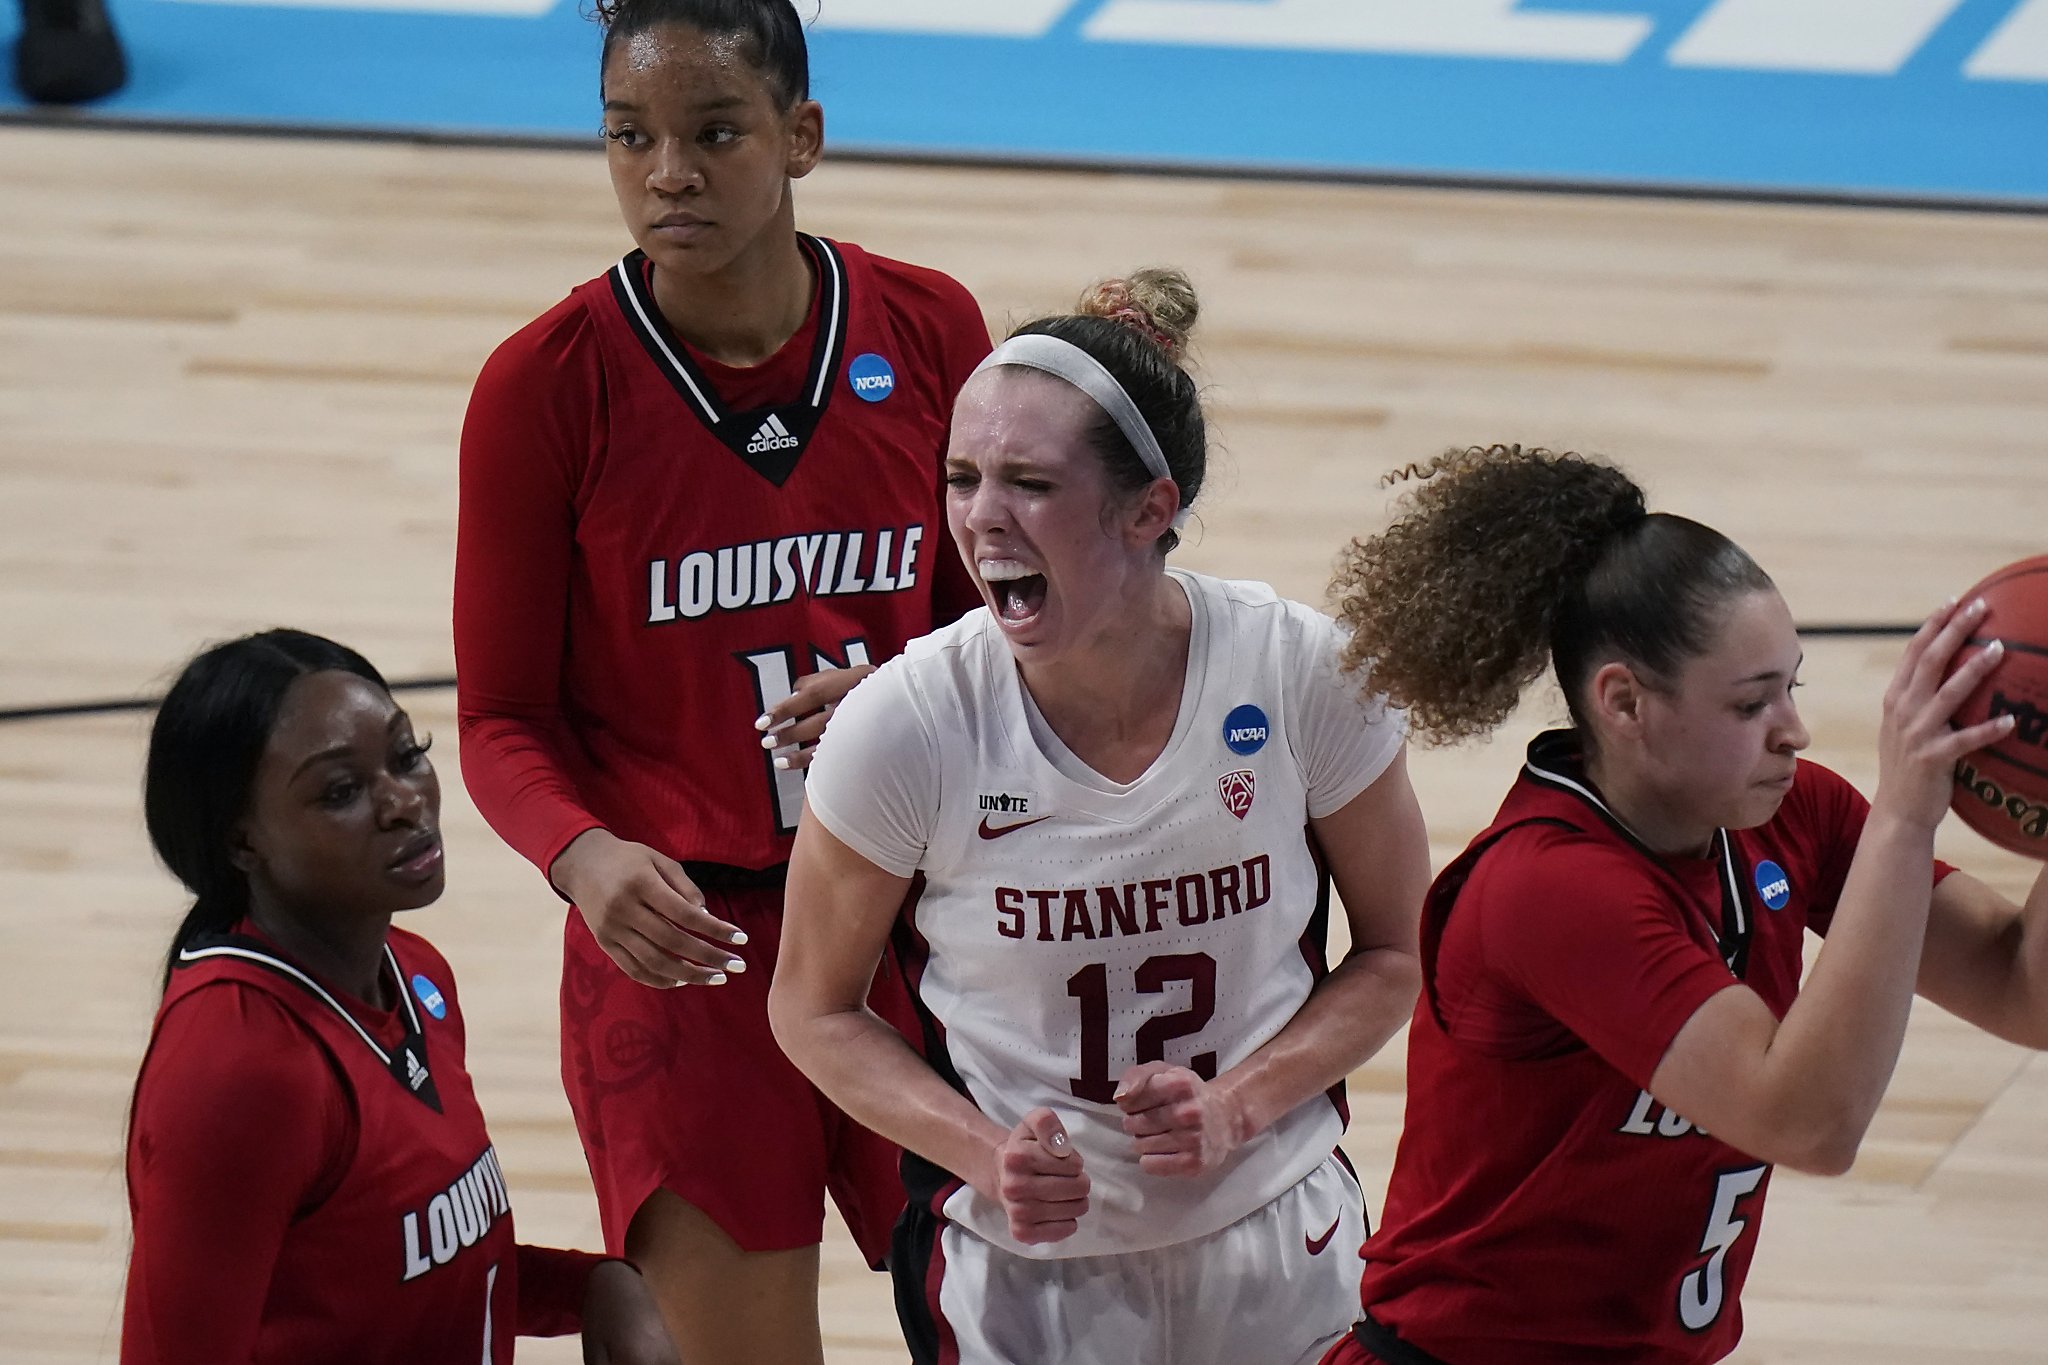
311 1181
1069 927
654 547
1544 1208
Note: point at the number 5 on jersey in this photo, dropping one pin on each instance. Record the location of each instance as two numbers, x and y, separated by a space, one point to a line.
774 674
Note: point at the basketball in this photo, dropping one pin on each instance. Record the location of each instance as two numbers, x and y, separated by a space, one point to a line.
2002 790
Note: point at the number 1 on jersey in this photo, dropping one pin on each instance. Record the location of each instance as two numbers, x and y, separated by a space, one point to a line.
774 674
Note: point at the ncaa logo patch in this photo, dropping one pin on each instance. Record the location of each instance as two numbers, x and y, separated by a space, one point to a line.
1237 790
430 996
1772 886
1245 730
872 377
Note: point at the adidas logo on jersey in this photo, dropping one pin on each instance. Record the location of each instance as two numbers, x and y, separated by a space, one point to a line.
415 1074
772 436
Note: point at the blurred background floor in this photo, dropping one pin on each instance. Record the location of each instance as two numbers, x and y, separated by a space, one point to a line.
232 372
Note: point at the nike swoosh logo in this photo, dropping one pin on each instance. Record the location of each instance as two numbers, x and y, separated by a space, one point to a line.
988 831
1316 1244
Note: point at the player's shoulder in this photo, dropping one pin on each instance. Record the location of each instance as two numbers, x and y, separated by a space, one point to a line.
955 655
1245 607
228 1018
929 310
1543 867
541 346
918 288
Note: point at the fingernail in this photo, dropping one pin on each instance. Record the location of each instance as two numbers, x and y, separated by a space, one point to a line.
763 721
782 763
1058 1142
673 984
1121 1091
1996 648
735 965
738 937
1980 605
768 741
717 979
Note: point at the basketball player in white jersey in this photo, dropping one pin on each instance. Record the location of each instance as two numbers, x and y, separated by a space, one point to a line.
1095 818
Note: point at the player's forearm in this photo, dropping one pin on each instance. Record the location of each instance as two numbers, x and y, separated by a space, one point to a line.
1345 1021
1827 1065
865 1067
514 774
1987 959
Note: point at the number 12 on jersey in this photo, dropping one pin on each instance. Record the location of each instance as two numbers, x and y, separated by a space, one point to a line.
1090 986
774 674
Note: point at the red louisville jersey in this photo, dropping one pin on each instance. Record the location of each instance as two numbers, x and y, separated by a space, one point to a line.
655 547
1544 1208
311 1180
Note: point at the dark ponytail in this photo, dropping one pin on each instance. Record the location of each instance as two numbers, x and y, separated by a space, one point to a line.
1505 559
209 734
769 30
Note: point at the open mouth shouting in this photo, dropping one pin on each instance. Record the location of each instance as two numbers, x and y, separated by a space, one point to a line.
1016 591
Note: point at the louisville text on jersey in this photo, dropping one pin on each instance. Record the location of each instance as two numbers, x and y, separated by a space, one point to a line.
1063 915
761 573
456 1218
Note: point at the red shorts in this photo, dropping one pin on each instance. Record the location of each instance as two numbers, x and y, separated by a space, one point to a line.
685 1090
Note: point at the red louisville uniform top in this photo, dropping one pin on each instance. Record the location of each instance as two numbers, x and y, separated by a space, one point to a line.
311 1182
653 547
1544 1209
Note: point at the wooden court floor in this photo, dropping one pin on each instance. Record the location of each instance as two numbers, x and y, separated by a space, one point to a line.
231 377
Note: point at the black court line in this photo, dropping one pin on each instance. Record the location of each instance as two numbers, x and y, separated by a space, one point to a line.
1319 175
118 705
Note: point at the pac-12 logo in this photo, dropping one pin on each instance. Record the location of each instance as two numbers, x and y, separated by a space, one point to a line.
872 377
1772 885
1245 729
430 996
1237 790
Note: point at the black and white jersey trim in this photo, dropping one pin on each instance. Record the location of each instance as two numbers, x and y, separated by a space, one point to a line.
404 1068
1732 935
771 450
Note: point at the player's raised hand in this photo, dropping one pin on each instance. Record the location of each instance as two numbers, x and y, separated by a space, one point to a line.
621 1322
1039 1180
791 727
1183 1124
1916 746
645 912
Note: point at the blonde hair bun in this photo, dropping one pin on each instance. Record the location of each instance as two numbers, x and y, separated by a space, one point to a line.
1158 304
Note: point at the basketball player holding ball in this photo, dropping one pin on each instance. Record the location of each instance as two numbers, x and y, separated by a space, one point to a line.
1613 1046
699 498
1106 807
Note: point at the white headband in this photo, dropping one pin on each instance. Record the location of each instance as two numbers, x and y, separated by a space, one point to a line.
1067 361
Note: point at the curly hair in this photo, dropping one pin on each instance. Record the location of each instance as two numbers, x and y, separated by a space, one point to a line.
1504 559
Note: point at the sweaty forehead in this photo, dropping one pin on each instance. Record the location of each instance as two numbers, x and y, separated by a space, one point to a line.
1010 409
675 61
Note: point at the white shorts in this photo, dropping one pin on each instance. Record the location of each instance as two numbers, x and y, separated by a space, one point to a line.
1277 1287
